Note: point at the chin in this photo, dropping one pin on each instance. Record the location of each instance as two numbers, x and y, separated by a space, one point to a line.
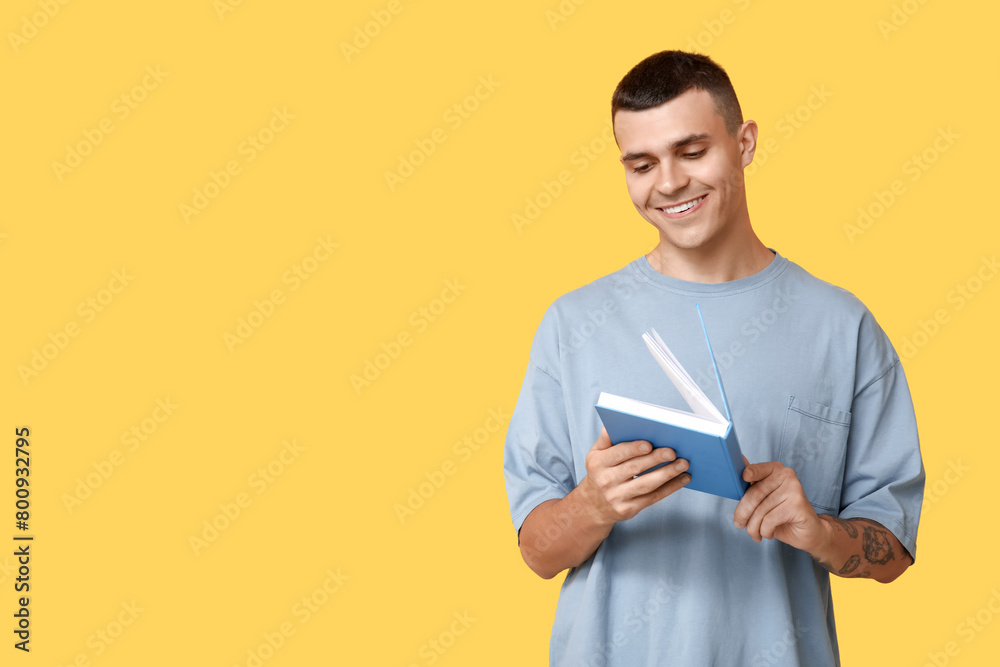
685 242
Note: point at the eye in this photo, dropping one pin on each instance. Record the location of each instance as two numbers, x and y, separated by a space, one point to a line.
695 155
640 169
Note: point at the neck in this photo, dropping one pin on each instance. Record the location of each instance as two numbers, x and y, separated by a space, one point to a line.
713 264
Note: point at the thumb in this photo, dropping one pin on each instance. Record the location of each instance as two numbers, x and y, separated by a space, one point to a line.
755 472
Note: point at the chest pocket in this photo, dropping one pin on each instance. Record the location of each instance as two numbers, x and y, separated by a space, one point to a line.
814 445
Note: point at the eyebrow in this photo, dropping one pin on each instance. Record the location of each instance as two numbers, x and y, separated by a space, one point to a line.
690 139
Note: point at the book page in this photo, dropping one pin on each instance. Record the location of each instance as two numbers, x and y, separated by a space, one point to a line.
681 379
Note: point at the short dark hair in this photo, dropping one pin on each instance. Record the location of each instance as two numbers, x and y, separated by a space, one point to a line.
665 75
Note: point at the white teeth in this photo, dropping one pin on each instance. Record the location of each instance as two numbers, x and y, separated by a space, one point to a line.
683 207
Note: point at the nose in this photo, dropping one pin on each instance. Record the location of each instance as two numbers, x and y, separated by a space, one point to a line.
672 178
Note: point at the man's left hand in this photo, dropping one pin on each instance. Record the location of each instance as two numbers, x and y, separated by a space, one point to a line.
776 507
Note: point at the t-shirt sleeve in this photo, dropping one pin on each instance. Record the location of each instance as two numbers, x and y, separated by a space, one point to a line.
884 474
538 458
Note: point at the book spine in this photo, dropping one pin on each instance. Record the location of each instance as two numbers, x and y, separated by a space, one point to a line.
733 446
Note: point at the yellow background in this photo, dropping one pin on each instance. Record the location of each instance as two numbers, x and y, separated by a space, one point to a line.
897 74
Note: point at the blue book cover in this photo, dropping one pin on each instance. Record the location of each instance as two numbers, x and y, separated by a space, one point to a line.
704 437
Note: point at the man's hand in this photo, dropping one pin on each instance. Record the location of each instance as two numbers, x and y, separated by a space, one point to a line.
609 485
564 533
776 507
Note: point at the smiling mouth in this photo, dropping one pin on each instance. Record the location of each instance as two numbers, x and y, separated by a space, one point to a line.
683 208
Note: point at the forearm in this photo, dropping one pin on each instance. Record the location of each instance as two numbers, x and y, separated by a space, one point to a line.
860 548
560 534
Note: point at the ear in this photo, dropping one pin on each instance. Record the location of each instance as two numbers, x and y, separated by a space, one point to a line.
746 137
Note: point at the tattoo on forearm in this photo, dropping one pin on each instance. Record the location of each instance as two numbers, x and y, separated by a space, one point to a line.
847 526
850 565
876 545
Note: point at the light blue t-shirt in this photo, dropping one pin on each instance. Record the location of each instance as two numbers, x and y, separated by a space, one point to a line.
811 381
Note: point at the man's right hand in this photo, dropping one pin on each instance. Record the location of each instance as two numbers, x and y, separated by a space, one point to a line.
563 533
612 489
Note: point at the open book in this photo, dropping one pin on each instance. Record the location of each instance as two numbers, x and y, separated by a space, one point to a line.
704 437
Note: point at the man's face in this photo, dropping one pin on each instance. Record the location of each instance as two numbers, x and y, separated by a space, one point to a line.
684 172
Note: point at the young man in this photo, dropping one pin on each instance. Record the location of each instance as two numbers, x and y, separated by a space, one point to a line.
659 575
